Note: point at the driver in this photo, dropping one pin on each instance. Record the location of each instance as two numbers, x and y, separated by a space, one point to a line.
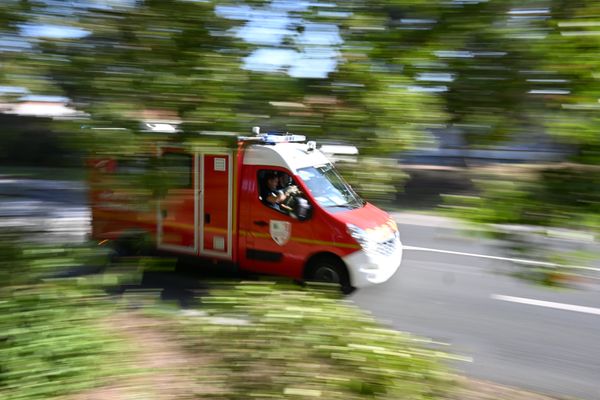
287 185
273 195
295 204
282 194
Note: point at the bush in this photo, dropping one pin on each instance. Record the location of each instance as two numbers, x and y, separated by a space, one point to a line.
50 343
275 342
51 339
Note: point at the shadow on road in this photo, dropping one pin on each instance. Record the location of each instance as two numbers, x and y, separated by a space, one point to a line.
185 283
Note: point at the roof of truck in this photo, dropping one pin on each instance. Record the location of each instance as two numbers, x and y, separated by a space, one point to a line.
292 156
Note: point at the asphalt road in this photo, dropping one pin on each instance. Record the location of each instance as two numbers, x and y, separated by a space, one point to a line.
507 330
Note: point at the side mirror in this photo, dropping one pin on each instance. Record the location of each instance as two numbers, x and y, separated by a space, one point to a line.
302 209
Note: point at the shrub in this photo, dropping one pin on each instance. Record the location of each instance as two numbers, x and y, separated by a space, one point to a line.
277 342
51 341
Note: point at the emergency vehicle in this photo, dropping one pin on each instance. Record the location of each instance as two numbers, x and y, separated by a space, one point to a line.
209 201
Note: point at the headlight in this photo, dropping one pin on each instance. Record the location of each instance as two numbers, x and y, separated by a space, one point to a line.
392 224
359 235
394 227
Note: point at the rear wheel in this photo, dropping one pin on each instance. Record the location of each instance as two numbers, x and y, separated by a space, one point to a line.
132 245
330 270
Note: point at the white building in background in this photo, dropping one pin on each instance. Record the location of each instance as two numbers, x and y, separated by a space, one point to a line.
43 109
56 107
41 106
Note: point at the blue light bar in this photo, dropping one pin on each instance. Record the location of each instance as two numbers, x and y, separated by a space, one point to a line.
269 138
274 138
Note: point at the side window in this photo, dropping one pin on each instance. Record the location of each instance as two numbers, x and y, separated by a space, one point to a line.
175 171
279 191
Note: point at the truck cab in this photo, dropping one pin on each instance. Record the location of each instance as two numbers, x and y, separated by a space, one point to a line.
342 238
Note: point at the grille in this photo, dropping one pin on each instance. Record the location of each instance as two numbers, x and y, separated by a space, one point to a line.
387 248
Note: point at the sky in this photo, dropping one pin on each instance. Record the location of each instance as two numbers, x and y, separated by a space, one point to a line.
314 54
53 31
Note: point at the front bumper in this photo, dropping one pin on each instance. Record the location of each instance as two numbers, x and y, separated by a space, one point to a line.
376 265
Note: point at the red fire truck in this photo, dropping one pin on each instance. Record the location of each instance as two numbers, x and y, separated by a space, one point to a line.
271 204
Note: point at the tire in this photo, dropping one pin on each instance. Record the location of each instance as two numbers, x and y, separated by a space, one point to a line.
330 270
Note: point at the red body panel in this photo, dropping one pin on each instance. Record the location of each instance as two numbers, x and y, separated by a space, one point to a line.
367 217
116 208
177 218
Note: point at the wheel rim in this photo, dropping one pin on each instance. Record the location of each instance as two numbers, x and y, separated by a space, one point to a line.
328 274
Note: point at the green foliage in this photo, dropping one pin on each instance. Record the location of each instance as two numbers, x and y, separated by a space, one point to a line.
183 58
265 340
375 179
493 70
23 263
52 341
286 343
558 195
56 338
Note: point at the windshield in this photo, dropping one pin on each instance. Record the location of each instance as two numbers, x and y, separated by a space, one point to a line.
329 189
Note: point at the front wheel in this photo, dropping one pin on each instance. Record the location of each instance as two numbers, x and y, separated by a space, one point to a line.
330 270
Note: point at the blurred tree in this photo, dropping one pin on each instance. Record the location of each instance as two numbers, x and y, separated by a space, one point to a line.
570 51
492 68
362 97
182 57
378 73
168 57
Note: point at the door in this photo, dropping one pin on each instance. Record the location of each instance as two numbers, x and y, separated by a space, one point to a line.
177 214
216 230
274 242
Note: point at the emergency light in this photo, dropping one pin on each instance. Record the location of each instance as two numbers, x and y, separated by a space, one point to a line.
273 137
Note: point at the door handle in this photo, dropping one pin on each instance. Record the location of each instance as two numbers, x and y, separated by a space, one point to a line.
260 223
163 213
207 218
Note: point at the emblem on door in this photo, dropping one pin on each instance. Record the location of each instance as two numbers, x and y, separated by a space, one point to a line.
280 231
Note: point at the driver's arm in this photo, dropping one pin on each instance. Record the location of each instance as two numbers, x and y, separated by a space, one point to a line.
276 197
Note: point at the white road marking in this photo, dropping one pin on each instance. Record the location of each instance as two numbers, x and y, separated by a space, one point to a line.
549 304
517 260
